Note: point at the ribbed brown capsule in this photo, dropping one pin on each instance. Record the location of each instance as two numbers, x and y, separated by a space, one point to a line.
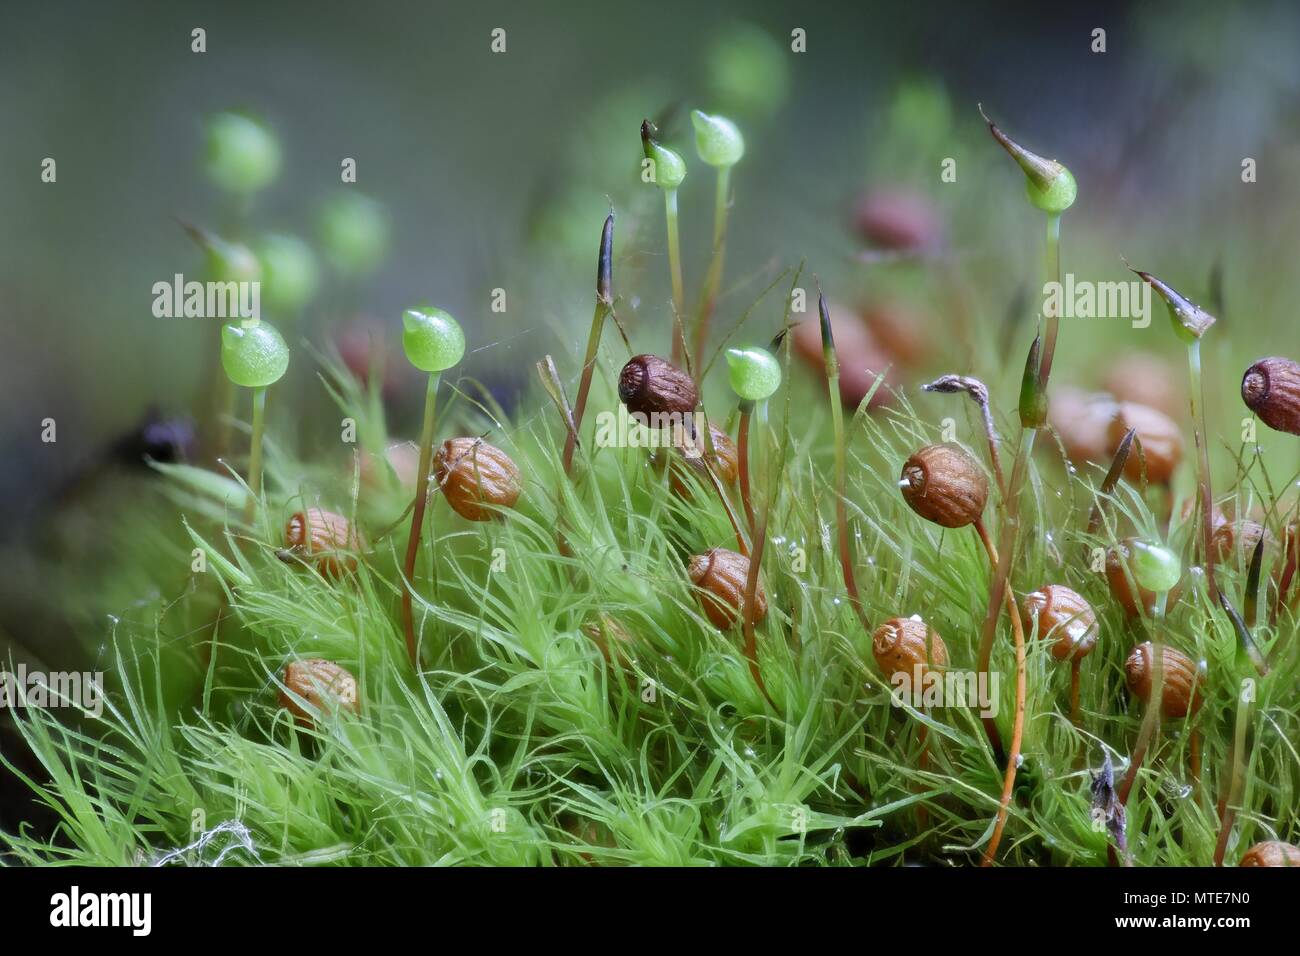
1272 853
1064 617
324 539
720 576
323 685
1271 389
945 485
648 385
476 478
901 643
725 461
1183 679
1162 442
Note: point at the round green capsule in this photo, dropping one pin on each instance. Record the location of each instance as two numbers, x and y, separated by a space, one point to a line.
669 167
354 233
290 276
755 374
243 154
717 139
432 339
254 355
1155 568
1059 194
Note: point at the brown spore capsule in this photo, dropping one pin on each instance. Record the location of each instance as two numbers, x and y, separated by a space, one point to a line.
1183 679
476 478
323 685
944 484
1162 442
1271 389
648 385
719 576
1064 617
1272 853
903 643
1237 539
325 540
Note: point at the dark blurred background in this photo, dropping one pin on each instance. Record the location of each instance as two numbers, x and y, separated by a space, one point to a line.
497 169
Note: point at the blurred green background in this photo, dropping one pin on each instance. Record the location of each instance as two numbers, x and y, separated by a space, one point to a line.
497 170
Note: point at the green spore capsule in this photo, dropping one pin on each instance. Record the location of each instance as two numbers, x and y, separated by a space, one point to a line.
1155 568
1057 196
754 372
253 355
432 339
1049 185
717 139
290 276
354 233
243 154
668 166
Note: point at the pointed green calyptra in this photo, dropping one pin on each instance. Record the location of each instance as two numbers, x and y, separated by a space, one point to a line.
669 167
1048 184
1033 394
754 372
717 139
432 339
253 355
242 154
1189 320
1155 568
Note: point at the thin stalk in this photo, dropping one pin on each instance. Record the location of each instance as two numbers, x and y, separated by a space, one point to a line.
1053 275
1002 572
1227 808
1075 664
742 453
1202 463
1151 720
675 266
1017 735
604 306
747 618
713 279
841 484
417 517
255 453
584 384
